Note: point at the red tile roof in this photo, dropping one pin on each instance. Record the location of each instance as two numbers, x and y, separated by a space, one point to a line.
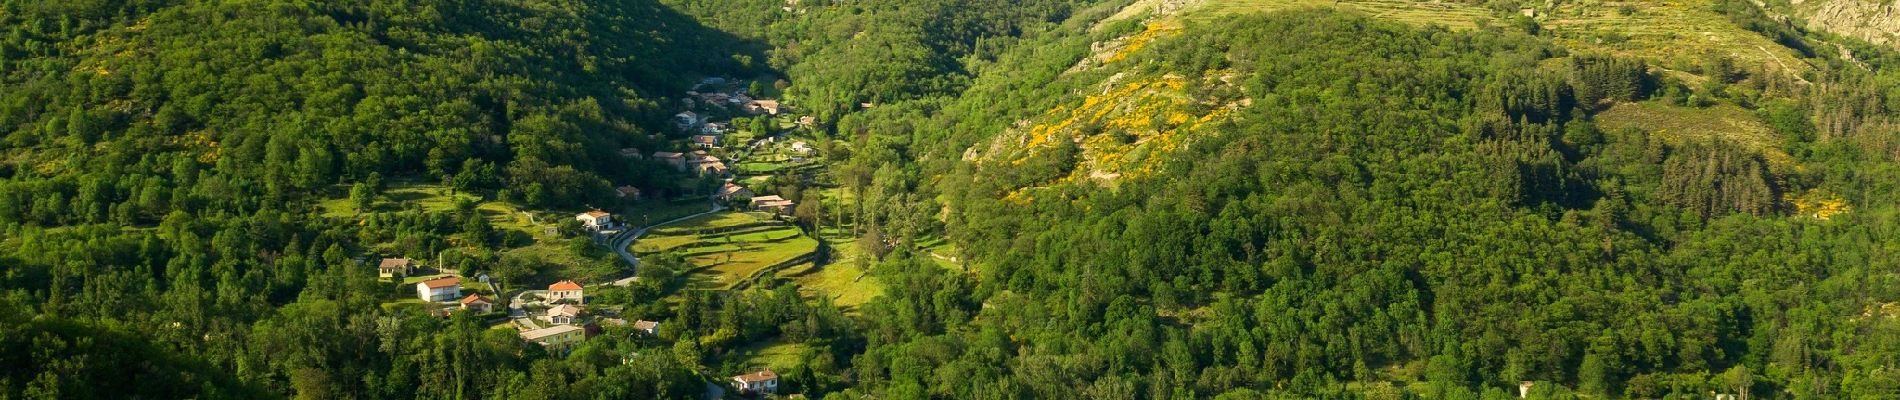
565 285
597 213
442 282
472 299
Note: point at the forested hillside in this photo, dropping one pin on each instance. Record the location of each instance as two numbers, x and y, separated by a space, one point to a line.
1318 204
1231 199
162 163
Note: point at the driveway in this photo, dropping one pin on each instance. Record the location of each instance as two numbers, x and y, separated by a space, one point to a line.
515 304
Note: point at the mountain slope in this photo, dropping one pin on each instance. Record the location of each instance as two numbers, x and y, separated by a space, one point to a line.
161 165
1322 203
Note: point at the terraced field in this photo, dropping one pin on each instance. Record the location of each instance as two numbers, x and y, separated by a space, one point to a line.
728 248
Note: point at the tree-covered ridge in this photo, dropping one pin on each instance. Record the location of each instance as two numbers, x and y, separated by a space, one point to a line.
161 164
842 54
1397 211
272 99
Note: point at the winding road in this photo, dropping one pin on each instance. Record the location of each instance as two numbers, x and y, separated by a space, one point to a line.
622 242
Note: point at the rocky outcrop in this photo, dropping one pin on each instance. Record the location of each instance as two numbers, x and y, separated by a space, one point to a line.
1876 21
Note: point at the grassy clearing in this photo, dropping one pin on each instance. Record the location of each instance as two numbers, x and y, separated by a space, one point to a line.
558 262
775 355
1669 32
845 283
1677 125
726 248
1452 15
653 212
500 214
843 280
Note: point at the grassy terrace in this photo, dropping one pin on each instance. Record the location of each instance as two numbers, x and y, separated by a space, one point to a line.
728 247
651 212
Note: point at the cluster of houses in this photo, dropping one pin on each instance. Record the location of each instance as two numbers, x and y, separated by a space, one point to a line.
568 320
698 161
566 299
444 290
702 95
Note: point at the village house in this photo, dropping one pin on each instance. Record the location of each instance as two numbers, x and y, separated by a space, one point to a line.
677 160
731 191
772 203
628 192
807 121
649 328
686 118
767 107
446 288
740 98
558 338
633 153
706 164
802 148
716 128
476 304
595 220
566 290
564 314
705 141
715 168
761 382
390 267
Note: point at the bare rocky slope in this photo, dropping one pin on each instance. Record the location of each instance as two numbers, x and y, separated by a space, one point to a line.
1876 21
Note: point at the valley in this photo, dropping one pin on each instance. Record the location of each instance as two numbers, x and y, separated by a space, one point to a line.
949 199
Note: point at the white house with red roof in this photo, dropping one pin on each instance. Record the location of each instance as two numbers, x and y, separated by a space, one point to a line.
761 382
595 220
476 304
566 290
446 288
